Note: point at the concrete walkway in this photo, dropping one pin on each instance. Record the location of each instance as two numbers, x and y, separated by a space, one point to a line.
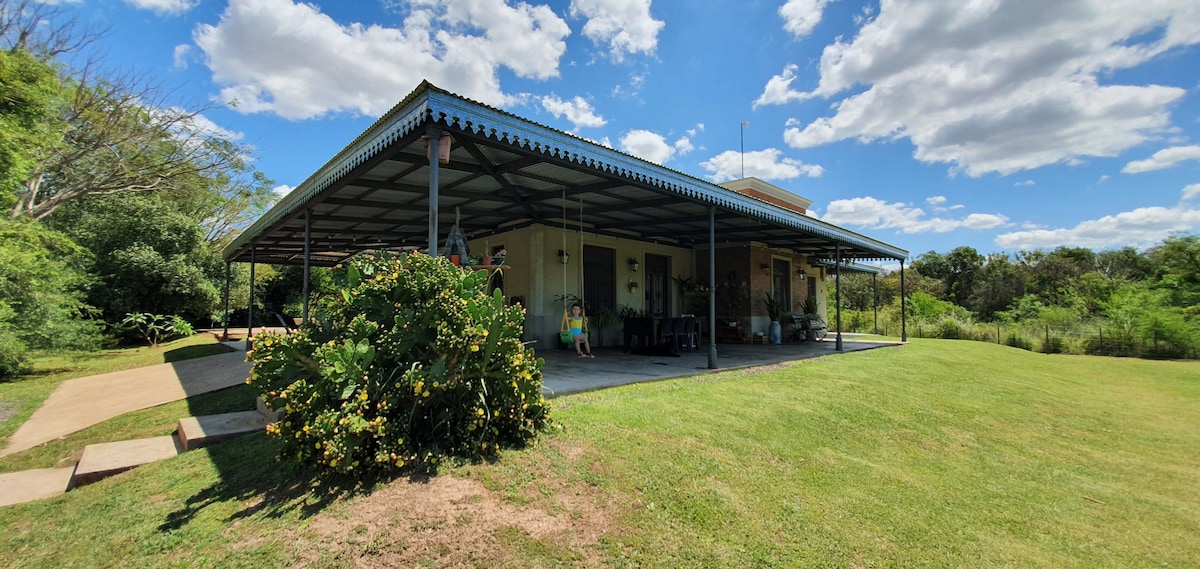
81 403
566 373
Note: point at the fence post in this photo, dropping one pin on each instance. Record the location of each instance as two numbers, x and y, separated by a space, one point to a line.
998 334
1101 338
1047 350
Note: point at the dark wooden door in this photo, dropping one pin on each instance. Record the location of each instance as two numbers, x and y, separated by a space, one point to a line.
782 282
658 290
599 277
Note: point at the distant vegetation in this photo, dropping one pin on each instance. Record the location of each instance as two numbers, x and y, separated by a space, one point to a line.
1120 302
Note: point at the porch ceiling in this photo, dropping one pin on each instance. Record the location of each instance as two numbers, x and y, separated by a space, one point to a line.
505 173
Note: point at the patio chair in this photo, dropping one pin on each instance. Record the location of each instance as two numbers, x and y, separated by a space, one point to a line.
689 333
668 330
288 323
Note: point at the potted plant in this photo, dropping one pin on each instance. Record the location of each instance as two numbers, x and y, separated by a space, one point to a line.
812 317
777 312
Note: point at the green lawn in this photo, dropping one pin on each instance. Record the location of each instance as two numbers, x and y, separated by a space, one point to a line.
21 396
936 454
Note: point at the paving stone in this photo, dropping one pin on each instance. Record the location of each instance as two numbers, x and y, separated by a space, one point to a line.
100 461
30 485
196 432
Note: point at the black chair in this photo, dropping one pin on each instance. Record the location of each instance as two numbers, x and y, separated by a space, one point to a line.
667 330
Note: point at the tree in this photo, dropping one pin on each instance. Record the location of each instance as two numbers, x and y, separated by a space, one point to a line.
1177 265
148 257
83 133
42 290
997 286
29 96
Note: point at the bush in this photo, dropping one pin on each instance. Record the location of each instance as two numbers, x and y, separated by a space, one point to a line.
1016 340
412 363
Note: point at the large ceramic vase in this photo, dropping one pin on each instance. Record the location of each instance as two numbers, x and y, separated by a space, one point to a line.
776 333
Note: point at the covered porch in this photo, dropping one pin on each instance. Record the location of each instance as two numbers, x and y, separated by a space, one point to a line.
575 217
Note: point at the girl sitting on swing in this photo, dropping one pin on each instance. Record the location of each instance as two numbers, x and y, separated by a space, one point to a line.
576 323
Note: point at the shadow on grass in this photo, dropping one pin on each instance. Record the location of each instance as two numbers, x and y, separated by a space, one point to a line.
192 352
249 473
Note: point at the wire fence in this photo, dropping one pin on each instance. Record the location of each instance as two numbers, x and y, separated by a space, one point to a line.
1098 337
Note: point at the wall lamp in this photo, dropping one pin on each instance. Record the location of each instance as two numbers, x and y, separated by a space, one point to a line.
633 265
563 256
801 274
633 286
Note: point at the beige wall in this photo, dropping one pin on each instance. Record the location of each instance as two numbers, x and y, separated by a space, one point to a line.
535 273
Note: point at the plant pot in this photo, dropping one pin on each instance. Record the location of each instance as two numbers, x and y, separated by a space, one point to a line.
776 332
455 260
487 261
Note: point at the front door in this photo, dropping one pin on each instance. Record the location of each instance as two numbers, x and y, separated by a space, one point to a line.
658 293
599 277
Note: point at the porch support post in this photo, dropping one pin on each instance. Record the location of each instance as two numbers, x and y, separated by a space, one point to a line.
433 134
903 308
712 287
875 301
838 296
225 319
307 255
250 306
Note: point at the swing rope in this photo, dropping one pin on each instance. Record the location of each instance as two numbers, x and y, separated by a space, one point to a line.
565 330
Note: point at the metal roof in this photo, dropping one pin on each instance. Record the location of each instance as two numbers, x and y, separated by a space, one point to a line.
506 172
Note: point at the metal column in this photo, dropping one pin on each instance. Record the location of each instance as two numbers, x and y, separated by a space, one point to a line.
838 296
433 134
875 301
225 319
712 287
250 306
903 308
307 253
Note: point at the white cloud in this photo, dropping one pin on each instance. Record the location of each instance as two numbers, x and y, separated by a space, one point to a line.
872 213
935 200
282 190
766 164
693 131
800 17
164 7
1103 178
1142 227
1163 159
1024 183
625 26
461 46
181 55
577 110
647 145
779 89
683 145
997 86
1190 192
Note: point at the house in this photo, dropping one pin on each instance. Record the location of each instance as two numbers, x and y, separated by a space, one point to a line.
575 218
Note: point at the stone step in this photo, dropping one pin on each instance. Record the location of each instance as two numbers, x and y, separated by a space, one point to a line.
100 461
271 415
196 432
30 485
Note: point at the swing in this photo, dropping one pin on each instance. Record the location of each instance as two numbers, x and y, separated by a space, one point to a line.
564 333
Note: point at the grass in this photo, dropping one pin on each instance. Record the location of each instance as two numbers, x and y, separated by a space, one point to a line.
21 396
936 454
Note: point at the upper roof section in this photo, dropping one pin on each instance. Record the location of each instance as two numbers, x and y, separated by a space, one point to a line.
769 193
506 172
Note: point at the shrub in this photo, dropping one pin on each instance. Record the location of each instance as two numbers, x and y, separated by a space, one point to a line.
412 363
1016 340
155 328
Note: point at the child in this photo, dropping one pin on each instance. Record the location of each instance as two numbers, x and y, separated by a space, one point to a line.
575 323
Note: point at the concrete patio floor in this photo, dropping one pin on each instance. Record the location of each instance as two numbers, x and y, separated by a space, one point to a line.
566 373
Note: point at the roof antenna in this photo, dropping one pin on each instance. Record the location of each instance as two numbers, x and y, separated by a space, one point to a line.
743 137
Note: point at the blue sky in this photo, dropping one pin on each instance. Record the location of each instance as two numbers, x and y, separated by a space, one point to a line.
928 124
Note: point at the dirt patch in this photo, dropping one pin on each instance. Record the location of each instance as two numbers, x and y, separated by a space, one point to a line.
6 412
447 521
